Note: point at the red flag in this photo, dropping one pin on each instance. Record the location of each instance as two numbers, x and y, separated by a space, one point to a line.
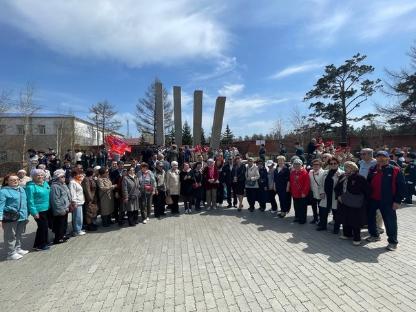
117 145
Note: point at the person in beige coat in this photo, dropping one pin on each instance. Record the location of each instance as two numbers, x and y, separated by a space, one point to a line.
173 186
105 196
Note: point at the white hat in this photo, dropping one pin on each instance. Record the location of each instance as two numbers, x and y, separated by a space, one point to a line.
269 163
58 173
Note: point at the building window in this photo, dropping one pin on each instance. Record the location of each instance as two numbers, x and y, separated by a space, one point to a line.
41 129
3 156
2 129
21 129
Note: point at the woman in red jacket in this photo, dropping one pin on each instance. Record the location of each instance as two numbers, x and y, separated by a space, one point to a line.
211 179
299 188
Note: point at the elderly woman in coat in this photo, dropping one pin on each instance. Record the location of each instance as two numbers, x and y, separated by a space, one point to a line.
352 192
329 180
89 185
252 185
130 191
61 203
13 216
105 196
148 189
173 186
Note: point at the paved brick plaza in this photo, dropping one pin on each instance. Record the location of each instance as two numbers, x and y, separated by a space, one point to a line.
214 261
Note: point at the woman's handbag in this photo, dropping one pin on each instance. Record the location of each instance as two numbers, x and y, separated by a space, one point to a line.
169 200
352 200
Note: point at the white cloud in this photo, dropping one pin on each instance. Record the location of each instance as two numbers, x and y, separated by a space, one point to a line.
132 32
230 90
224 65
296 69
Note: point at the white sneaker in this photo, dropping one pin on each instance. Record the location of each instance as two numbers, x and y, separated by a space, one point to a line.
15 256
356 243
144 221
80 233
22 252
147 219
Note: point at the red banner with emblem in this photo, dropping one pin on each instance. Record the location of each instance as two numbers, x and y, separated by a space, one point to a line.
117 145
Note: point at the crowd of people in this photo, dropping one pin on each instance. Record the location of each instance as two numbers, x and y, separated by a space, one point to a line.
357 193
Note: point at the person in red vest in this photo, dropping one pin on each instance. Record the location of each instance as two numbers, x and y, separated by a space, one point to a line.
299 188
387 191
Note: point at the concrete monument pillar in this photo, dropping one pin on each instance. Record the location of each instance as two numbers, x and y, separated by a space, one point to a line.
197 117
217 123
177 115
159 115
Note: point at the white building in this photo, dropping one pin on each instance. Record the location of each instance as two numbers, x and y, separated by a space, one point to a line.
18 133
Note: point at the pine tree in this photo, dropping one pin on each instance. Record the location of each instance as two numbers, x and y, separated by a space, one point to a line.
145 111
203 139
186 134
227 136
339 92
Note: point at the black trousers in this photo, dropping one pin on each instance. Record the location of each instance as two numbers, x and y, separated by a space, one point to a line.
285 201
197 196
271 198
323 217
300 205
174 207
159 204
314 205
41 238
354 232
133 217
230 194
251 196
60 225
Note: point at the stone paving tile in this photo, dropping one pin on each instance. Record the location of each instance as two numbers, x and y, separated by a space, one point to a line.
219 260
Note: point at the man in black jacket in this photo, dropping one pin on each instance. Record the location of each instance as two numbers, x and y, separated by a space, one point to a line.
226 178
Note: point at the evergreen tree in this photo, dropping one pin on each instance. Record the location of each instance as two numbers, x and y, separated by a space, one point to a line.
203 139
403 87
227 136
339 92
145 111
186 134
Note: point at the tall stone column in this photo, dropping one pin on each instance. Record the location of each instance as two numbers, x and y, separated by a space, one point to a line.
197 117
177 115
159 115
217 123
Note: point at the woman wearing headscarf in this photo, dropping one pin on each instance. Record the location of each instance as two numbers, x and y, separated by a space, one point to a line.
281 180
13 216
60 201
238 173
173 186
78 200
130 192
252 185
328 201
299 189
89 186
186 186
23 178
352 192
211 180
37 192
105 196
148 188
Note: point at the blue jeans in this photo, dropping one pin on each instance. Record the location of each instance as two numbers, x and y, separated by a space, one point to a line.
77 219
389 219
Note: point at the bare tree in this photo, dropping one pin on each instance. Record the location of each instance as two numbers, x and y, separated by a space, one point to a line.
5 100
26 106
102 115
299 123
277 132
